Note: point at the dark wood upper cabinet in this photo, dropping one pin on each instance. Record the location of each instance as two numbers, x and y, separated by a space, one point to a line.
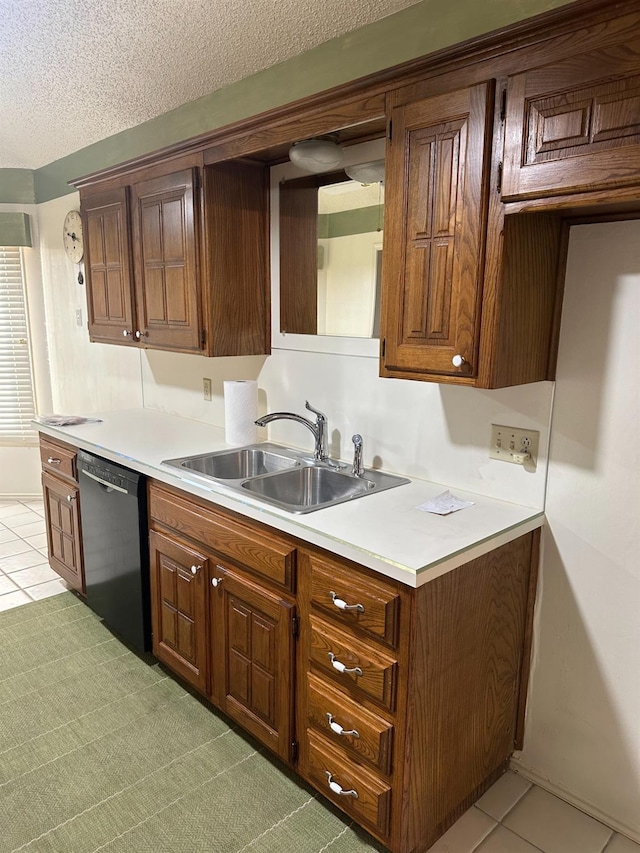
110 299
574 126
178 260
435 218
166 251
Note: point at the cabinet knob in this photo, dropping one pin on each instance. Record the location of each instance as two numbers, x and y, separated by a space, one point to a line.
341 667
342 605
216 582
337 728
338 789
195 569
53 461
458 360
140 334
70 498
126 333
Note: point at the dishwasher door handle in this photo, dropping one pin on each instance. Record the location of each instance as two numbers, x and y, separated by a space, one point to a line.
109 486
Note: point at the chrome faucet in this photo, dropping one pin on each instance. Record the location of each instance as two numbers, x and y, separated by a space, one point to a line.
318 429
358 469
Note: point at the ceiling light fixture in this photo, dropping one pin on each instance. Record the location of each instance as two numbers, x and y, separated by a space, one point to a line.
316 155
366 173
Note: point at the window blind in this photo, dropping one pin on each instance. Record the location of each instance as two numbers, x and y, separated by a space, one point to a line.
17 405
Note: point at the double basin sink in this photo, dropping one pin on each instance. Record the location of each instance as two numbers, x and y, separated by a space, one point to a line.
285 478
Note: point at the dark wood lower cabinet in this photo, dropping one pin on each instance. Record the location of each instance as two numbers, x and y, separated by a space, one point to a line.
178 606
252 645
62 519
400 705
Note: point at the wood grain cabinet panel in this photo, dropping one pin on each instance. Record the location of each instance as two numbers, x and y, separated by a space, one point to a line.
353 663
356 601
64 534
166 258
574 126
356 790
435 219
252 647
109 280
178 608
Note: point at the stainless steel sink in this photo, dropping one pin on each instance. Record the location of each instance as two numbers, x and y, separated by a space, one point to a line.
308 488
285 478
238 464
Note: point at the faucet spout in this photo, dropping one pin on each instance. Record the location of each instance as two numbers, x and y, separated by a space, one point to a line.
317 429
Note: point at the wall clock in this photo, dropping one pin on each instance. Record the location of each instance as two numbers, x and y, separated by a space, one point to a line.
72 236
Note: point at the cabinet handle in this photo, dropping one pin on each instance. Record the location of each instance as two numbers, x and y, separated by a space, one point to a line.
338 789
140 334
126 333
336 664
195 569
70 498
53 461
337 728
342 605
216 582
458 360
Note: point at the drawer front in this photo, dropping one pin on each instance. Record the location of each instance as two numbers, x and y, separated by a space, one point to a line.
354 788
343 721
372 606
58 459
353 662
265 554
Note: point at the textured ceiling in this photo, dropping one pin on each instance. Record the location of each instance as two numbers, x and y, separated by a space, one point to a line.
74 73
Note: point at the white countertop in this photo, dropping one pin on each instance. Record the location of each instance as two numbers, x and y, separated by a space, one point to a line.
383 531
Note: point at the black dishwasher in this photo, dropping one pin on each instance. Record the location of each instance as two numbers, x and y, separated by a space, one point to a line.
113 508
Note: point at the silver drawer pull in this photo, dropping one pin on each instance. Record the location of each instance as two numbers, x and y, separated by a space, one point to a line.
195 569
337 728
338 789
342 605
53 461
336 664
215 582
71 498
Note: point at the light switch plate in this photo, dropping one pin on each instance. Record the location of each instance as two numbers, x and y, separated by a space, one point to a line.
512 444
206 389
78 316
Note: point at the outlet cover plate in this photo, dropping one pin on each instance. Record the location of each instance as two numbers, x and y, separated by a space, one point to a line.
513 444
206 389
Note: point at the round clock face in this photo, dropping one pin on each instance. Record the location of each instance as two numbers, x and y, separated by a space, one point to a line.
72 236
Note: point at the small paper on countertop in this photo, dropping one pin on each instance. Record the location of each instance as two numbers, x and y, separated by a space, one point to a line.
65 420
444 504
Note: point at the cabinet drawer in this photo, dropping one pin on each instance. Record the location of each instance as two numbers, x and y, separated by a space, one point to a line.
354 788
58 458
265 554
353 662
364 735
372 606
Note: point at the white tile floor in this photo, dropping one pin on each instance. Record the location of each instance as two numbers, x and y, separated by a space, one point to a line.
514 816
24 566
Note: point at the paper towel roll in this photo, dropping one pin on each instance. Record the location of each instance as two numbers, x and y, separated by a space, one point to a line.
240 411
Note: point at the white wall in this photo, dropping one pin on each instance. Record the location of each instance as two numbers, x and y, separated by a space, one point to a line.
85 377
583 724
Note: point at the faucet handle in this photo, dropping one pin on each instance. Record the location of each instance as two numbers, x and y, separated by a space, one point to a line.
320 415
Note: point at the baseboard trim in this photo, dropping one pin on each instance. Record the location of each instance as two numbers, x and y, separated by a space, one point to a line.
559 791
35 496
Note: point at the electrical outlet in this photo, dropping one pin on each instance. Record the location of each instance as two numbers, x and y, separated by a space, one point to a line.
519 446
78 316
206 389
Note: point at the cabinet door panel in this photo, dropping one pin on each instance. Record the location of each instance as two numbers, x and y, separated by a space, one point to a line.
62 518
166 261
178 610
435 219
108 267
574 126
252 658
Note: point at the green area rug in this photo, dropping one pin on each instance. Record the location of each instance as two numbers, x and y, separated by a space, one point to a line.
101 752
